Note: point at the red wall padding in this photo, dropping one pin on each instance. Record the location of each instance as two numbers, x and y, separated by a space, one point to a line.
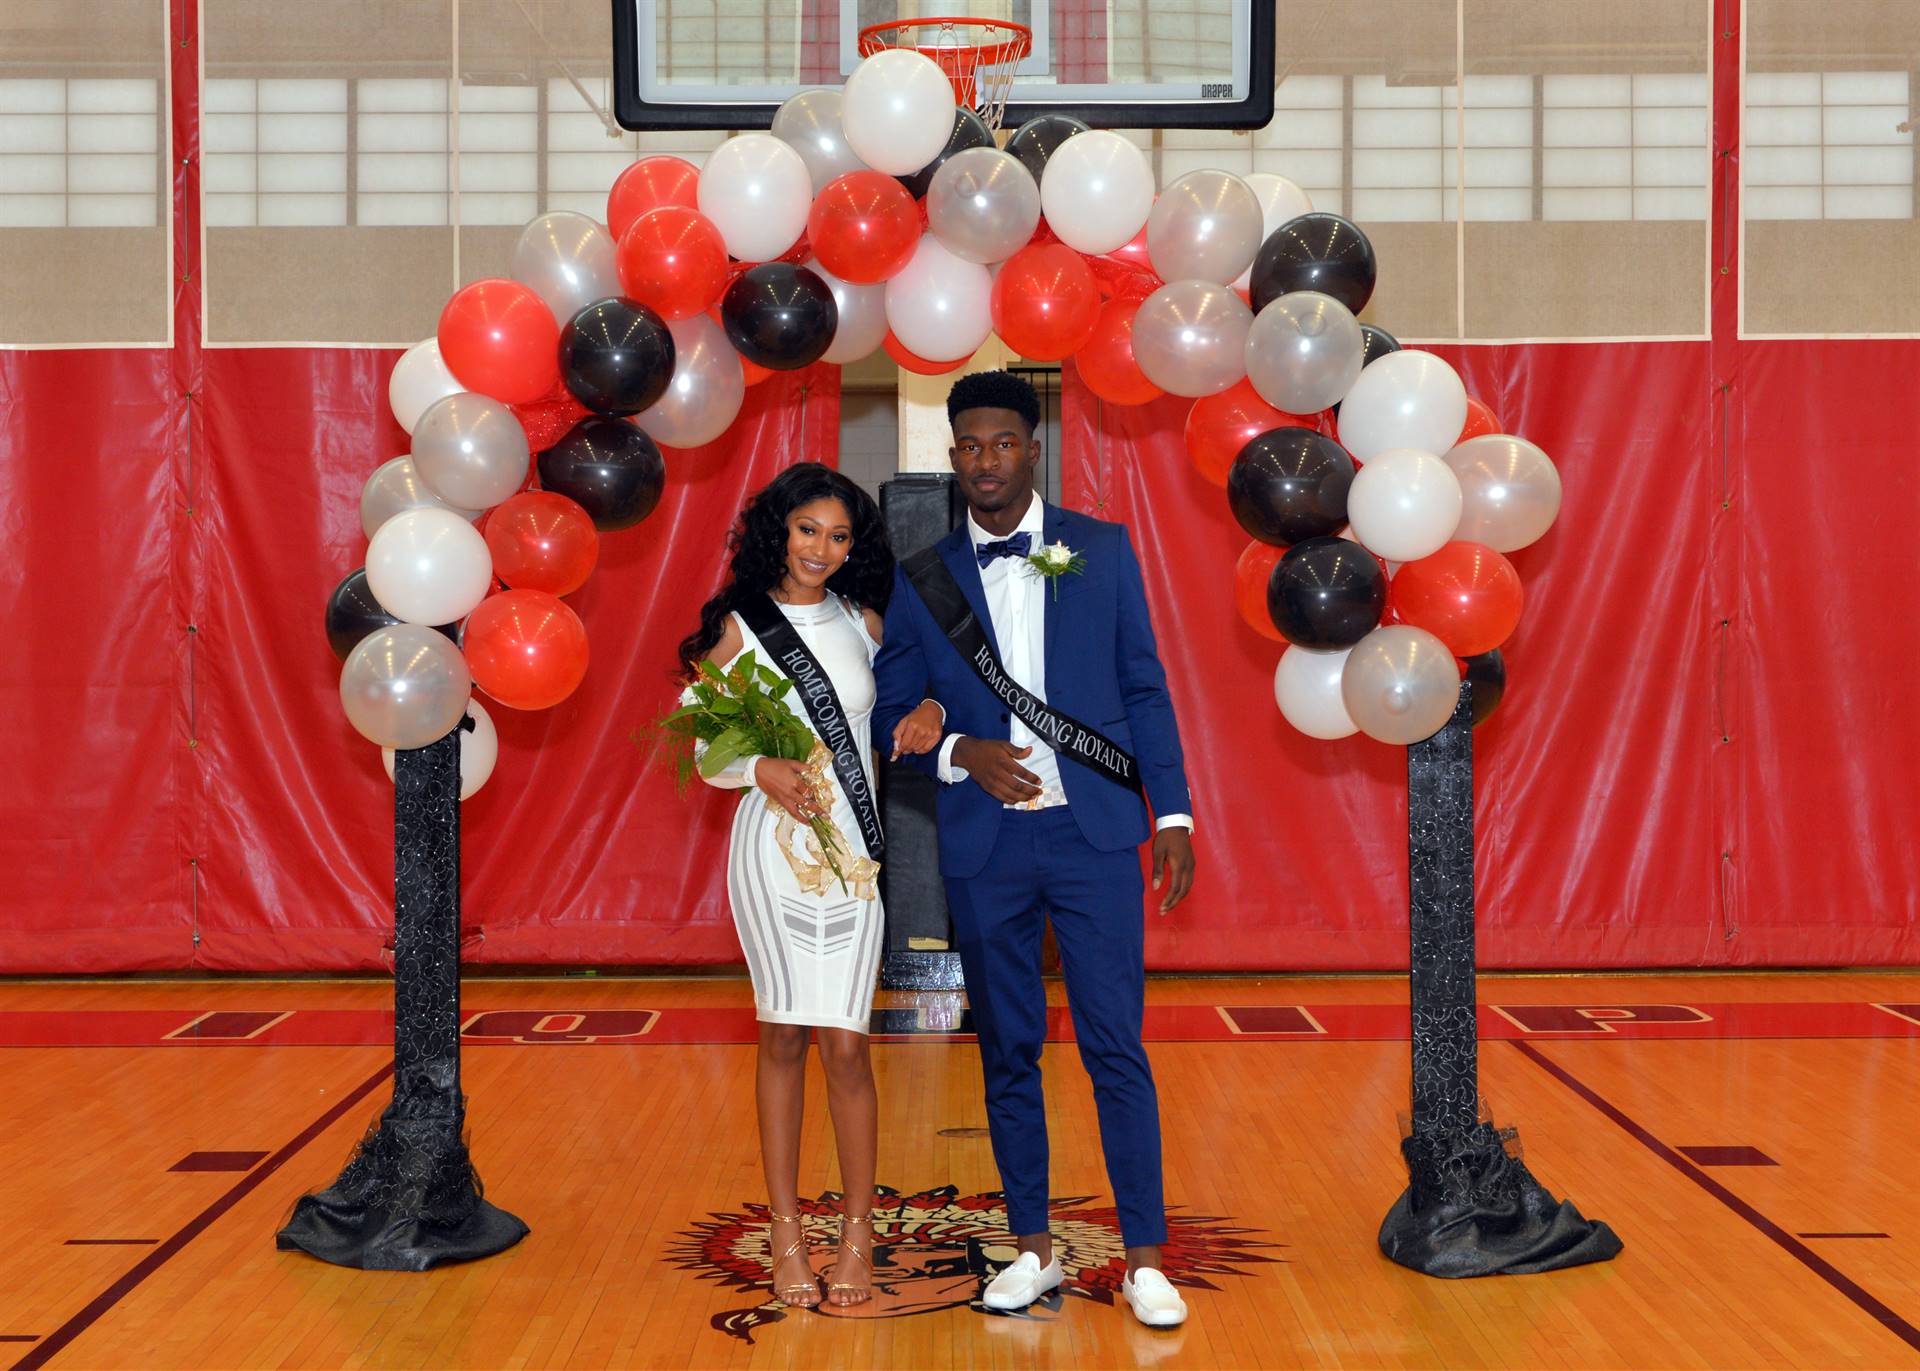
575 851
1658 788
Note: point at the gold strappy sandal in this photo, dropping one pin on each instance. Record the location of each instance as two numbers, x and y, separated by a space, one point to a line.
865 1290
790 1294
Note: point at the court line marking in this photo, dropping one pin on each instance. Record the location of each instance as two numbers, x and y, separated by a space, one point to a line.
57 1340
1812 1260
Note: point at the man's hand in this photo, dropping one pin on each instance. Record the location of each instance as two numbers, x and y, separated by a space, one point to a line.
995 764
1173 865
779 780
919 731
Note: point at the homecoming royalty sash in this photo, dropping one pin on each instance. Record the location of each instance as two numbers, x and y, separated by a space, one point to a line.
1062 732
824 712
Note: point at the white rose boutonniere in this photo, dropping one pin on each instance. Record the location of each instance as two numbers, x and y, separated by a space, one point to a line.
1054 560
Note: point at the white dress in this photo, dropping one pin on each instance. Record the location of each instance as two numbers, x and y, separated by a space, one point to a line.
813 957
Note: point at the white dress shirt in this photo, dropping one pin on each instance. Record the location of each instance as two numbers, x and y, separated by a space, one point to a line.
1017 605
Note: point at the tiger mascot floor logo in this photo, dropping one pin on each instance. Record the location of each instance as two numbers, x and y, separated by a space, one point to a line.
938 1249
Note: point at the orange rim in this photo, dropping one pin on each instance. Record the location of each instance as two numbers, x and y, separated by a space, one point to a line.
1014 47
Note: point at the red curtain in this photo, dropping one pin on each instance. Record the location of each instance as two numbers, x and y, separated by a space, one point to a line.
1659 788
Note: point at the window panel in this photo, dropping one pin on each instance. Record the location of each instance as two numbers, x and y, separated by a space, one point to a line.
84 222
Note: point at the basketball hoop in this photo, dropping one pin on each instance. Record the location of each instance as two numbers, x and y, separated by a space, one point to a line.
978 55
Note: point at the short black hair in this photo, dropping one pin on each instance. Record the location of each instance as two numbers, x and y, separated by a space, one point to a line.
994 390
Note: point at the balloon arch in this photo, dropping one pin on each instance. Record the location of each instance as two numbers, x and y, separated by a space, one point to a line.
1381 500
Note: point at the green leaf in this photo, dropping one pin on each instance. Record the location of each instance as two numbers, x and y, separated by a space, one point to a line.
712 673
723 751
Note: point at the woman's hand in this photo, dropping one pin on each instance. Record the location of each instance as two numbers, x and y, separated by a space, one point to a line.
919 731
784 783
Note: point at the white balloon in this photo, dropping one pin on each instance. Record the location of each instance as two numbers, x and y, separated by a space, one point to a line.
898 111
757 192
479 750
1407 399
419 378
1280 200
863 317
1306 686
1097 191
428 566
1403 504
939 305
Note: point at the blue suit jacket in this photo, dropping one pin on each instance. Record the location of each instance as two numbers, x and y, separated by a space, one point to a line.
1102 669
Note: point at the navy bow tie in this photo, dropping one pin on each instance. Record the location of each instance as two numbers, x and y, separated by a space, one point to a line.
1019 545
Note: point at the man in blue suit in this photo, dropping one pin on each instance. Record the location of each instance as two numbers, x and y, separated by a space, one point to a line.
1054 734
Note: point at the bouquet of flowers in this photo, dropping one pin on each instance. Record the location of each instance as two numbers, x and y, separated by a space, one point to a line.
743 712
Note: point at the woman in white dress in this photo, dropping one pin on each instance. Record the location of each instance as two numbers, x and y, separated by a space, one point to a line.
812 547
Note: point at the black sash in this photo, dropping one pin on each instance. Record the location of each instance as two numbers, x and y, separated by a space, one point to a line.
1062 732
829 720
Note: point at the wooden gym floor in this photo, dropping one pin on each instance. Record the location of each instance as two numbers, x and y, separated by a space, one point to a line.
1751 1138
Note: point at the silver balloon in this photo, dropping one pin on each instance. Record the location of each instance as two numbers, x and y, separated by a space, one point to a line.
863 317
810 123
395 487
479 751
1190 337
405 686
1304 352
568 260
707 389
1400 684
1204 227
1509 491
983 204
470 451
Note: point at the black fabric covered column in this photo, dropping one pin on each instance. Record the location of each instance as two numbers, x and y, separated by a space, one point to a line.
409 1199
1470 1208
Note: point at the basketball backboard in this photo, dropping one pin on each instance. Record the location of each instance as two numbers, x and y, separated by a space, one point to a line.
729 64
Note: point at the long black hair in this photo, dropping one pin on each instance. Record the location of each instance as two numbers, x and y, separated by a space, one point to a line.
759 543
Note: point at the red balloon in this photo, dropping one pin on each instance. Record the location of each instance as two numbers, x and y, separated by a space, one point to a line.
498 337
913 361
1218 426
542 541
863 227
1045 302
1466 595
673 261
549 419
1250 577
648 184
1106 361
1480 421
1133 253
526 649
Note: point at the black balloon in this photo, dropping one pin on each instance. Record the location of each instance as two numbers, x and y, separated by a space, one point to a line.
1316 251
1036 140
353 613
616 356
1289 485
609 468
1488 673
780 316
969 131
1326 593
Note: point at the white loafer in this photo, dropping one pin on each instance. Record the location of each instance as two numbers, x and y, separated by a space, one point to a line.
1153 1299
1020 1284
